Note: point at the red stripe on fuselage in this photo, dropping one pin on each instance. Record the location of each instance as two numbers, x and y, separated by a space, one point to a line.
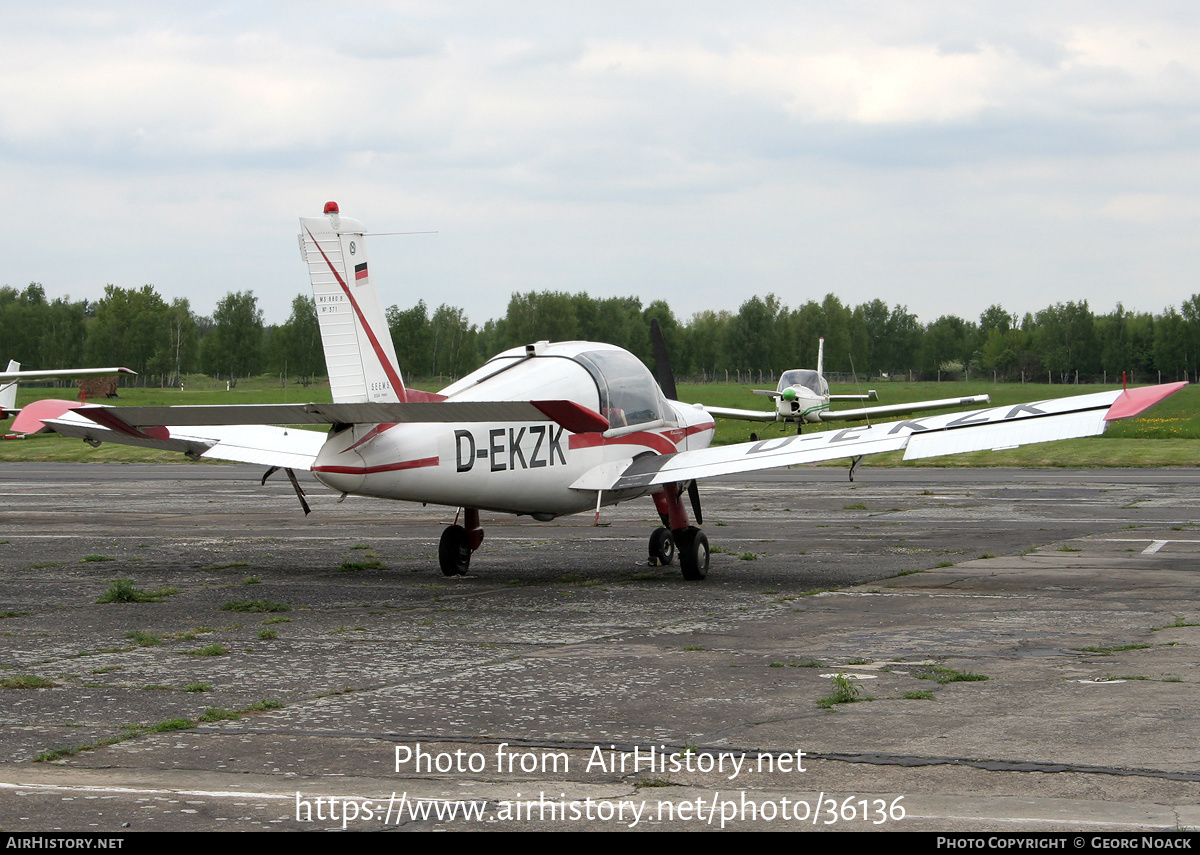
371 434
393 376
371 470
646 439
657 442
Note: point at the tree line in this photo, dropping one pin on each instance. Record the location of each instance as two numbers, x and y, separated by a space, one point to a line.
1063 343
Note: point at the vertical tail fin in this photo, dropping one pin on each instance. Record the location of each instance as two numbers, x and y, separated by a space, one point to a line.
359 354
821 356
8 391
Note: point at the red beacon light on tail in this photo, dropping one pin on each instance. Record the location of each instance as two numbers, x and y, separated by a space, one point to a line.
331 208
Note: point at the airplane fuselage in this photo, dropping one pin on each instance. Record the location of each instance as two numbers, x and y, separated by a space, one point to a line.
509 468
800 404
530 468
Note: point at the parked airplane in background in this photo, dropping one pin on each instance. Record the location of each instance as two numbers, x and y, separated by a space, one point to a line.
14 375
802 396
541 430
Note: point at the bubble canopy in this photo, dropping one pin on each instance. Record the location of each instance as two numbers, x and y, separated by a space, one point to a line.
604 378
805 377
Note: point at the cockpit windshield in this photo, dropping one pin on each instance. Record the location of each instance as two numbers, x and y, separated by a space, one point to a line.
628 393
805 377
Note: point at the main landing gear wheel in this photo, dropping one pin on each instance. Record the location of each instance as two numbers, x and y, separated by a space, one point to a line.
454 551
662 547
693 553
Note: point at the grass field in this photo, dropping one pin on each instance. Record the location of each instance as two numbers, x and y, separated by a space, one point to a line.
1169 435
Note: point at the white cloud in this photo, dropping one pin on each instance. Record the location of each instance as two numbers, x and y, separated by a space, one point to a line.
902 151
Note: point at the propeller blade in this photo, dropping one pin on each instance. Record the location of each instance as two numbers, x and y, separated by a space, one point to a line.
662 362
694 495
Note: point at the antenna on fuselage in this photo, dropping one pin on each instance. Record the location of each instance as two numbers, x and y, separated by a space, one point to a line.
854 461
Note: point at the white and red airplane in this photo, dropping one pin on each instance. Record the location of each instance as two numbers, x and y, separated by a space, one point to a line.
802 396
542 430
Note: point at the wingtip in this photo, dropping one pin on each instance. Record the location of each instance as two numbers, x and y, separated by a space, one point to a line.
32 417
1135 401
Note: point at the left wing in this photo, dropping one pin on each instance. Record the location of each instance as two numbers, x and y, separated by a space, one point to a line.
929 436
287 448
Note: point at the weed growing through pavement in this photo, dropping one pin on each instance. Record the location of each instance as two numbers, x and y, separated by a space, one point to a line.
122 591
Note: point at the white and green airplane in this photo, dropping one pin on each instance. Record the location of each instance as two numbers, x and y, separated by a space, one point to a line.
802 397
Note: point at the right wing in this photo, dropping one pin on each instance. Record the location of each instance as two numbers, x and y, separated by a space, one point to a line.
928 436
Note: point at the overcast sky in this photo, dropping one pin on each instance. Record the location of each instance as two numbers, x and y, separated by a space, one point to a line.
941 155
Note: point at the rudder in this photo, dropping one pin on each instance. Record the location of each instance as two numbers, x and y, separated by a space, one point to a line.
359 355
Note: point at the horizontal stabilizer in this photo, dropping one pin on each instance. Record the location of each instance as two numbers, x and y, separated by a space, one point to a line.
570 415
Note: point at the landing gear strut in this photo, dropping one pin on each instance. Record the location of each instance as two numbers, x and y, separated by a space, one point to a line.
690 542
457 544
